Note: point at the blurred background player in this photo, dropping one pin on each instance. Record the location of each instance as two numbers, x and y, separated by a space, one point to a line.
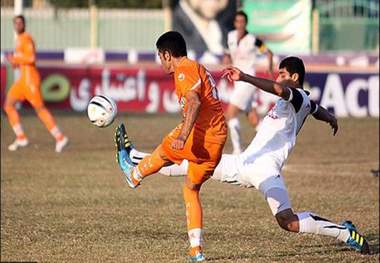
199 138
27 87
243 48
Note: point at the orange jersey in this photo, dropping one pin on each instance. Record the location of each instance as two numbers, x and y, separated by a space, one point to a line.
27 86
25 55
210 124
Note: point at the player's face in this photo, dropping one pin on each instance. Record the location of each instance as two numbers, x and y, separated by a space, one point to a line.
283 74
166 61
208 9
240 23
18 25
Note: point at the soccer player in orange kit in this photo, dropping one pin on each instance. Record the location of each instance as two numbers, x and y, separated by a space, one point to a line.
199 138
27 87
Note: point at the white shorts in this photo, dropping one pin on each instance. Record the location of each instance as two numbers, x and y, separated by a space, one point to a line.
244 96
261 174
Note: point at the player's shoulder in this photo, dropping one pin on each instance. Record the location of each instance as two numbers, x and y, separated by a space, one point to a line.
26 36
232 34
187 66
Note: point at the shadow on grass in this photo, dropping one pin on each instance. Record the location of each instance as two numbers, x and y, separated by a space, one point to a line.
373 241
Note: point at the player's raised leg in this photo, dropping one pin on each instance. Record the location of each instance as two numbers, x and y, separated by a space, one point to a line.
148 165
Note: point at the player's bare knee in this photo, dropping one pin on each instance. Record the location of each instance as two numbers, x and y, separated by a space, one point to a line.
38 109
231 112
192 186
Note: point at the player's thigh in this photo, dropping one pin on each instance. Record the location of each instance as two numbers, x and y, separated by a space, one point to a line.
227 169
276 194
198 173
33 93
200 170
242 96
15 93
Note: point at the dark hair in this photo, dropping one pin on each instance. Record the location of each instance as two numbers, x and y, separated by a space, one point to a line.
242 13
294 65
20 17
173 42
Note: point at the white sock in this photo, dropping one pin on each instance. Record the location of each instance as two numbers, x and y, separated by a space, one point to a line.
17 129
56 132
234 126
311 223
175 170
137 174
195 237
136 156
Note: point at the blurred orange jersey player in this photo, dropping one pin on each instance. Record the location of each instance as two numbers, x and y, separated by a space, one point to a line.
27 87
199 138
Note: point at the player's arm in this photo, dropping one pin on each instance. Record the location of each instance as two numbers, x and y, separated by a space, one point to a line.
227 60
322 114
27 57
193 104
279 89
264 49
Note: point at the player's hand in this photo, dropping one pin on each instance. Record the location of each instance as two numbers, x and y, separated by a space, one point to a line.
334 124
232 74
178 144
9 58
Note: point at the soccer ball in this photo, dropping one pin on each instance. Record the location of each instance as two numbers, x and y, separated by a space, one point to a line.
101 111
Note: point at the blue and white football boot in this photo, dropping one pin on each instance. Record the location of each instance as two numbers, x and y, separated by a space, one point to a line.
356 241
199 257
123 148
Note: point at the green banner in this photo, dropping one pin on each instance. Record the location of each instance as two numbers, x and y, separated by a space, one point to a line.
284 25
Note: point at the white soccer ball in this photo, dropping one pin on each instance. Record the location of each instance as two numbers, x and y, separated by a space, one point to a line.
101 111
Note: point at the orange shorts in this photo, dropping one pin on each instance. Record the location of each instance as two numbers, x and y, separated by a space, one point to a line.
203 156
29 90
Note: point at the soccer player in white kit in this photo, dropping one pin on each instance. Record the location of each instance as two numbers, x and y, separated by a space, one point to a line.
259 166
243 48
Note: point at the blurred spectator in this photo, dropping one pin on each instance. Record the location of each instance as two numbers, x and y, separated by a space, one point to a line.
202 25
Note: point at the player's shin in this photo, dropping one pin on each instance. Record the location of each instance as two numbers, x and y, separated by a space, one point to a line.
150 164
311 223
49 122
194 218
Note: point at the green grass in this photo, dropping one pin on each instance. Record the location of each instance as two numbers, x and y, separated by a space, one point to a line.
75 206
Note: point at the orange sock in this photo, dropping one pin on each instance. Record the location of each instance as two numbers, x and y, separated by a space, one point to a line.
14 120
49 122
193 216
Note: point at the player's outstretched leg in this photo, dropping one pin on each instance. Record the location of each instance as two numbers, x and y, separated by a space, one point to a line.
308 222
123 147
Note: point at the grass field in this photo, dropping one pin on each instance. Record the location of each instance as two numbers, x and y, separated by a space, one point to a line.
75 206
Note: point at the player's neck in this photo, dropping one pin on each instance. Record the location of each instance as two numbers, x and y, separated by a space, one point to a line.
178 61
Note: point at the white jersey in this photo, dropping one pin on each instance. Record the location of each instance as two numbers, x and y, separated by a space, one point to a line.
277 134
244 52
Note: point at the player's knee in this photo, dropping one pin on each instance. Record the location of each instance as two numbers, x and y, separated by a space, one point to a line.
231 112
192 186
38 108
8 107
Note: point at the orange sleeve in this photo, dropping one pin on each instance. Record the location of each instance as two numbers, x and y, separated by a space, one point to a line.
188 78
28 54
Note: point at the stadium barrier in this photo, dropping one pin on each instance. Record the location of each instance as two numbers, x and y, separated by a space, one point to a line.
149 90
